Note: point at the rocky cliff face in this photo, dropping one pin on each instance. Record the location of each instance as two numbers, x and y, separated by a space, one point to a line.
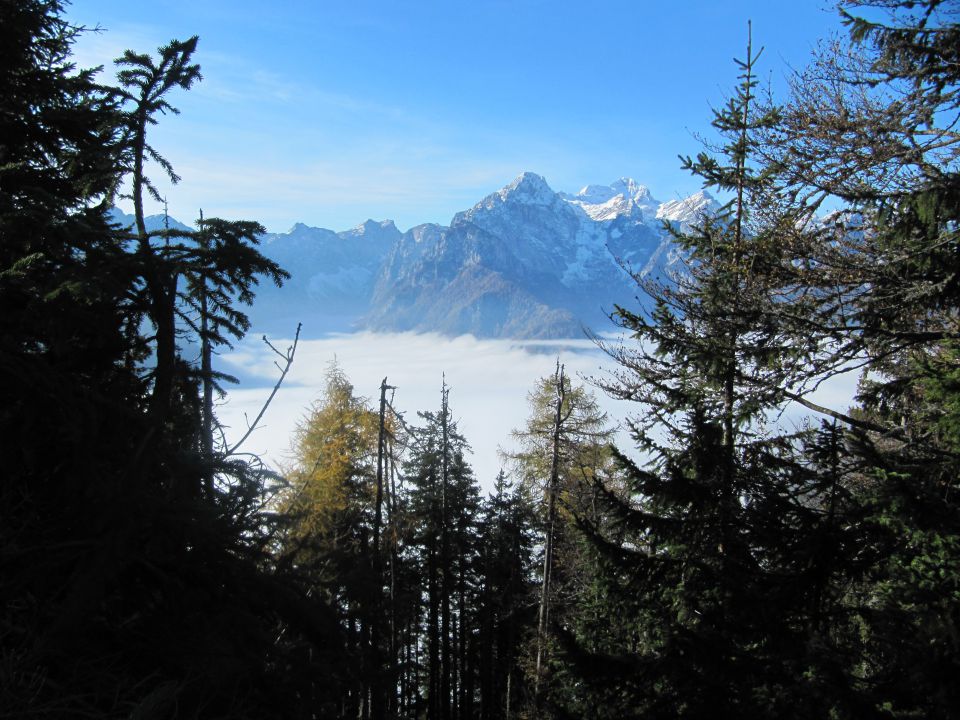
332 276
523 262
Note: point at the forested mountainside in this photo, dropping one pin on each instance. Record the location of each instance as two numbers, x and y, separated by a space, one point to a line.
731 568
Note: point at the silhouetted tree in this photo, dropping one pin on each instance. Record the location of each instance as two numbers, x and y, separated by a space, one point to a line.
125 590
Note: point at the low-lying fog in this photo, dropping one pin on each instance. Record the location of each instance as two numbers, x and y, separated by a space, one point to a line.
489 381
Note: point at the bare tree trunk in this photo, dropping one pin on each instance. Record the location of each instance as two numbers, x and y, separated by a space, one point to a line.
206 375
433 635
445 589
392 675
509 675
378 511
552 488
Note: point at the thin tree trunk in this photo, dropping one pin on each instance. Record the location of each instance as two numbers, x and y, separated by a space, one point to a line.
392 676
206 375
378 511
544 611
433 636
158 289
445 589
509 675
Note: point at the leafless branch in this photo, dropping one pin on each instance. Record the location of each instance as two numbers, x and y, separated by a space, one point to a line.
288 362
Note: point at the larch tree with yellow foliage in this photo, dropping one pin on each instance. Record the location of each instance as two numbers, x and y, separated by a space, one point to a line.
564 452
331 505
333 480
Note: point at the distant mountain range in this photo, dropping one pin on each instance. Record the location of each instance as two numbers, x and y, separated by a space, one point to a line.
524 262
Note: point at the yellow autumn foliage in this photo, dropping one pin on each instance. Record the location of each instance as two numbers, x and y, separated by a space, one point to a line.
332 480
584 452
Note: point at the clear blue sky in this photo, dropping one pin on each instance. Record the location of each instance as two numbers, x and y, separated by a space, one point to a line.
331 112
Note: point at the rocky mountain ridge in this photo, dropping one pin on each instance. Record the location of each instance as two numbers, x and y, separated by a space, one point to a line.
529 262
524 262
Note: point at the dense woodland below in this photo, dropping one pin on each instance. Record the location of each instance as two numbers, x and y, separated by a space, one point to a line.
149 569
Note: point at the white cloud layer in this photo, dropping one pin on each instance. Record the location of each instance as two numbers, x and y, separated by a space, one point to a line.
489 381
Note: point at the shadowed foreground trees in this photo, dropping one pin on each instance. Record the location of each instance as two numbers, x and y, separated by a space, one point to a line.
887 297
705 560
433 593
328 540
759 573
137 578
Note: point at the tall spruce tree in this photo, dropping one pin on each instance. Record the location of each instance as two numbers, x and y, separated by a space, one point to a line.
704 559
444 498
60 339
507 615
188 283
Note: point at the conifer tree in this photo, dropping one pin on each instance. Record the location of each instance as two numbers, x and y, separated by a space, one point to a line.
126 592
330 503
506 614
145 84
187 281
444 499
563 451
702 559
871 123
60 339
334 448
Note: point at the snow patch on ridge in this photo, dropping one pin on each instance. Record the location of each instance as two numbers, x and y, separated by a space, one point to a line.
688 209
530 189
622 198
592 258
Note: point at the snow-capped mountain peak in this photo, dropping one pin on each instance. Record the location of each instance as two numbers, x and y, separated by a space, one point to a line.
615 207
594 194
630 188
528 188
624 197
689 209
373 230
301 229
523 262
374 225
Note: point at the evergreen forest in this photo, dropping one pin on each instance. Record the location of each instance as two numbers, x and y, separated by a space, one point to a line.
726 566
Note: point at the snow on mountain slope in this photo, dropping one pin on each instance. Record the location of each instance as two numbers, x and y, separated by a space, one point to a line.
688 210
519 257
523 262
622 198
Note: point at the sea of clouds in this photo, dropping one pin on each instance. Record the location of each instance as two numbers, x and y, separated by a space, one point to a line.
489 382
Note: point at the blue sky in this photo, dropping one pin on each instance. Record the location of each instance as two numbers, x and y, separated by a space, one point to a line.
333 112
